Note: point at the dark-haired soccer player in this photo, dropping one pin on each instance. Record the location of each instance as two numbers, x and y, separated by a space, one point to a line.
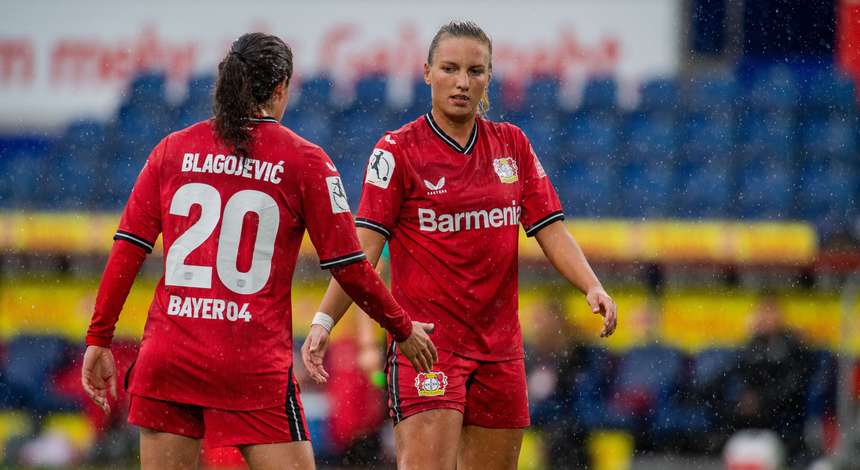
231 197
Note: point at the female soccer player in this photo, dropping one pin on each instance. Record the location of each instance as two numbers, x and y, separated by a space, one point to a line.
448 192
232 197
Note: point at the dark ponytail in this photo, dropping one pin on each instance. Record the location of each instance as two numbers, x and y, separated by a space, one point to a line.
254 66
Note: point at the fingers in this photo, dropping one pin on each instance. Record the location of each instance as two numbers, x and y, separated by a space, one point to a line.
610 316
427 327
593 302
313 352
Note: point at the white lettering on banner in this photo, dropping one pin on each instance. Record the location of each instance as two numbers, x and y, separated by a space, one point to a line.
207 309
497 217
232 165
53 69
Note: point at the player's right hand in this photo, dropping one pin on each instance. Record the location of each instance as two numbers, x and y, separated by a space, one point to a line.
418 347
98 376
313 353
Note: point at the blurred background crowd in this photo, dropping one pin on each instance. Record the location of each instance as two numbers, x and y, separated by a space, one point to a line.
705 152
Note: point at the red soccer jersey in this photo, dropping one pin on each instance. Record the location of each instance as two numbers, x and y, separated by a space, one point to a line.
451 215
218 332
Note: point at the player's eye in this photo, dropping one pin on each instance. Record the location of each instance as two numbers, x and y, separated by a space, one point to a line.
449 68
476 71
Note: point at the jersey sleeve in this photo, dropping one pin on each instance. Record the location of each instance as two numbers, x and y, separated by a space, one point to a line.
540 202
325 211
383 189
140 223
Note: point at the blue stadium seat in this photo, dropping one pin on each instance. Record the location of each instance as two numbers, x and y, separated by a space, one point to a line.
587 188
771 133
77 162
827 196
708 138
659 95
599 94
765 190
712 94
312 124
648 376
23 178
774 89
315 93
706 190
651 137
646 190
591 135
420 102
371 92
541 96
828 91
147 88
30 362
832 136
197 105
544 132
823 384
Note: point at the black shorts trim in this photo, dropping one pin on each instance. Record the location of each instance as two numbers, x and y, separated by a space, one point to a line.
342 260
134 239
537 226
298 430
376 227
393 385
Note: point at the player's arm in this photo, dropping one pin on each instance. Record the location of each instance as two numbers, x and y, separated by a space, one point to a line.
567 257
138 229
542 217
334 237
336 302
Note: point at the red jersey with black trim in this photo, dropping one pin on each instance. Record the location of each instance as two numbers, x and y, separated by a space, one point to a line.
452 217
218 332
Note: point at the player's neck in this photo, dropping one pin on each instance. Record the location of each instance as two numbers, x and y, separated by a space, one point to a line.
460 131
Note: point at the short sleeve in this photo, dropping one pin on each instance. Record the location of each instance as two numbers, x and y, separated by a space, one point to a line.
325 211
383 189
540 202
140 223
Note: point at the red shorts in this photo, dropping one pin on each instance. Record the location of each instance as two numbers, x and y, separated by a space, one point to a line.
221 428
488 394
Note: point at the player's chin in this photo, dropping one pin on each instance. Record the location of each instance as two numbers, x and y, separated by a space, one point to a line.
464 111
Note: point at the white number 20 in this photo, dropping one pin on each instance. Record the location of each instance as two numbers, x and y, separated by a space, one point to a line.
177 273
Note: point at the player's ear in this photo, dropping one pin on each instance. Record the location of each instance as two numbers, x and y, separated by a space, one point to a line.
427 73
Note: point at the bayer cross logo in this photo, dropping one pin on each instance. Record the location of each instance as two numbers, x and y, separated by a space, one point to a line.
380 168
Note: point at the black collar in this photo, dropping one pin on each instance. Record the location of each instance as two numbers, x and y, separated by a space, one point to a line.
263 119
449 140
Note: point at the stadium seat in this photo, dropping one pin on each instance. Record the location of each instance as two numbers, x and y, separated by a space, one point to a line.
647 378
76 158
651 137
774 89
708 138
315 93
829 90
197 105
30 361
659 96
765 190
712 94
312 124
823 384
646 189
590 135
541 96
587 188
23 172
772 133
826 196
706 191
599 94
831 136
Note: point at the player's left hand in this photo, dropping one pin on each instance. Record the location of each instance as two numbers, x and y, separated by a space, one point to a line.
98 376
313 353
601 303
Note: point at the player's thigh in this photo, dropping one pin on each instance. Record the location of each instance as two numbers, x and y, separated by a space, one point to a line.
281 456
489 449
166 451
428 439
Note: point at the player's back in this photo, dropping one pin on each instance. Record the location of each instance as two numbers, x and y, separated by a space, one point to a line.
231 228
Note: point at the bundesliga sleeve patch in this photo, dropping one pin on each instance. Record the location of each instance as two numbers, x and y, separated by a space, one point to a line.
337 195
380 168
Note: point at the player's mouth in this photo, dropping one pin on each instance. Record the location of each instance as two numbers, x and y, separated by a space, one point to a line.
459 100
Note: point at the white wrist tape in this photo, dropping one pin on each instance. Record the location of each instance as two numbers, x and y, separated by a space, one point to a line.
324 320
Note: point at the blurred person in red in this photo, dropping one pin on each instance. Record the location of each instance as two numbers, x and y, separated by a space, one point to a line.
231 197
449 191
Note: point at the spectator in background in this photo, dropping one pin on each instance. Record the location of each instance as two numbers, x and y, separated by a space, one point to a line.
554 360
773 375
